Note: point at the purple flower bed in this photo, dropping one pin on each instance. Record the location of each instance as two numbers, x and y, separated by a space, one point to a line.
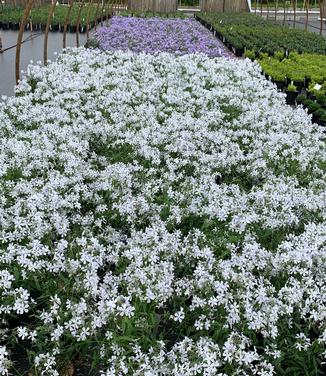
154 35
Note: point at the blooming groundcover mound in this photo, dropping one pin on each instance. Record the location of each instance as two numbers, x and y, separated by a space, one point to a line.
155 35
160 216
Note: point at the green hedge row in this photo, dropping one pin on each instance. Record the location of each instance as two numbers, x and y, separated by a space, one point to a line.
40 15
246 31
147 14
316 105
296 67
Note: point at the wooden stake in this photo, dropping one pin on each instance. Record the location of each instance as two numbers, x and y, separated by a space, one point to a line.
20 38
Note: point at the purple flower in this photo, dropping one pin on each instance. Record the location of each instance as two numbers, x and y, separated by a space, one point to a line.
155 35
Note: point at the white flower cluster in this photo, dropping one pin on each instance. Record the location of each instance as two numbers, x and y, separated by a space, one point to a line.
4 361
166 214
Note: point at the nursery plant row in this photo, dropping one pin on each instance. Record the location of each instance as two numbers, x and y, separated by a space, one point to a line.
160 215
11 17
316 105
155 35
241 32
301 69
296 63
299 75
148 14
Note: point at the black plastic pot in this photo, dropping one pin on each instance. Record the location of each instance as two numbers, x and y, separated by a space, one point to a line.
311 110
55 27
291 97
321 123
6 26
280 84
72 28
299 85
14 26
315 118
238 52
82 29
307 82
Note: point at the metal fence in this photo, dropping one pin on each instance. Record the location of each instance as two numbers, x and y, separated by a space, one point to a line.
306 14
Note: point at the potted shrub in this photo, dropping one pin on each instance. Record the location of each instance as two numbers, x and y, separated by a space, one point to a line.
321 99
316 115
291 94
307 81
300 99
250 54
311 105
279 55
279 79
322 120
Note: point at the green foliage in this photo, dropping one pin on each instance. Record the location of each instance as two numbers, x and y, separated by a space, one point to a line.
250 54
301 98
253 32
291 88
39 15
148 14
297 67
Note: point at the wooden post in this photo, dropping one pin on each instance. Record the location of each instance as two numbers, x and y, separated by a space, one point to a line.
78 22
46 35
71 2
322 14
96 15
284 13
306 4
225 6
20 38
107 13
294 4
166 6
89 10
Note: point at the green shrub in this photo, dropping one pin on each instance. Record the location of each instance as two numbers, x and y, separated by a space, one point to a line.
254 33
250 54
320 112
291 88
313 106
39 15
301 98
297 67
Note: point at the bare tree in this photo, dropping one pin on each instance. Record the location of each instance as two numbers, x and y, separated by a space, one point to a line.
284 13
321 14
307 5
294 6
